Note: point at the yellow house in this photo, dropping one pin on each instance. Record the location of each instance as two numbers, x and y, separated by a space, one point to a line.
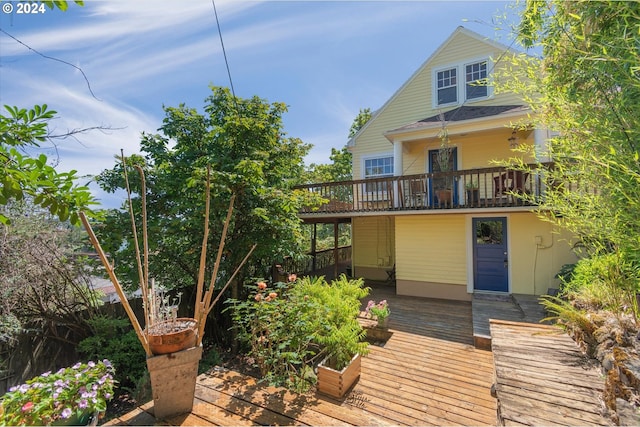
429 203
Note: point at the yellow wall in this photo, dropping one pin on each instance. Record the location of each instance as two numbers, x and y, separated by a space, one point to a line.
475 150
434 254
373 246
431 248
533 265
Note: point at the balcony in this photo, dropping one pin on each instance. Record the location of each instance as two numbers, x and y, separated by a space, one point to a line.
495 187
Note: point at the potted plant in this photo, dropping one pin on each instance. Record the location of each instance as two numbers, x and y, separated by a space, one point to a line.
342 338
172 344
379 312
443 158
471 188
76 395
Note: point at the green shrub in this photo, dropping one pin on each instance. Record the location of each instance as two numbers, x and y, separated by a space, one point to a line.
115 339
608 282
289 327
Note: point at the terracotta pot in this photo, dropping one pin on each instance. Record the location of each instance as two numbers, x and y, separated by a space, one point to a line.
173 382
172 335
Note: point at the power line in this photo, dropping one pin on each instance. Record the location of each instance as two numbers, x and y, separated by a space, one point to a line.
54 59
224 53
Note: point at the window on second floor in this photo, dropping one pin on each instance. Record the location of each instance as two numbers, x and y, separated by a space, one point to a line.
447 86
476 80
456 84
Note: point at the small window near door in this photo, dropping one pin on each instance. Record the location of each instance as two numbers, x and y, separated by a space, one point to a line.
489 232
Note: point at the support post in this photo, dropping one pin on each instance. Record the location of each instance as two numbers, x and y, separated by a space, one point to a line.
335 249
313 248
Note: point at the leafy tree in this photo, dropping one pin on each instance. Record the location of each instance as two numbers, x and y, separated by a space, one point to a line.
42 284
250 157
25 176
586 88
364 115
340 168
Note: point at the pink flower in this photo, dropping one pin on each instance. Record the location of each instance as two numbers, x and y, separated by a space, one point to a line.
258 297
273 295
66 413
293 277
27 407
262 286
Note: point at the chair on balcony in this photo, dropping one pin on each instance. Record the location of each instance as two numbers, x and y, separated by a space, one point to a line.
510 182
416 196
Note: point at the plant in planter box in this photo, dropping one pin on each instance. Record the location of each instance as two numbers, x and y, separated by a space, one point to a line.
71 396
341 338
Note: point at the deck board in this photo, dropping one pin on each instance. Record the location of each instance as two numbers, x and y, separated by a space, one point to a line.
427 373
543 378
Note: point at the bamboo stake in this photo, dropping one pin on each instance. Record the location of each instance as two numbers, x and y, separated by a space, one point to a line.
141 276
216 266
145 246
224 288
207 309
123 298
203 251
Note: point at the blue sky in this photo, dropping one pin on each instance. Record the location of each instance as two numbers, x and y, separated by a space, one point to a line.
324 59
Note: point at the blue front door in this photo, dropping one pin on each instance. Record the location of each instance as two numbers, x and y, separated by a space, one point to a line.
490 256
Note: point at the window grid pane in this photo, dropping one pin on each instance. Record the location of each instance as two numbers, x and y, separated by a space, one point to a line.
382 166
447 86
475 74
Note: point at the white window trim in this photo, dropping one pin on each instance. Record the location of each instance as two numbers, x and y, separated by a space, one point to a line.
489 79
461 81
378 195
371 157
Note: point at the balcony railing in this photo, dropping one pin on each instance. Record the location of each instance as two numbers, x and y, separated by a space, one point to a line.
472 188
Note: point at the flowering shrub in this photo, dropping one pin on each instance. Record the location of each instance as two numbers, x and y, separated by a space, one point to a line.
379 311
278 327
291 326
50 397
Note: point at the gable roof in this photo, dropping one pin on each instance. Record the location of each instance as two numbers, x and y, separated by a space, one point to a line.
443 46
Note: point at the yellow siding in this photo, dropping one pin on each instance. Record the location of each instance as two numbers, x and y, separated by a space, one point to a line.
414 102
431 248
373 242
475 150
533 265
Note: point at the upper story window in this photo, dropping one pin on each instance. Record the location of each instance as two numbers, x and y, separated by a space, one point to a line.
377 167
476 80
458 83
447 86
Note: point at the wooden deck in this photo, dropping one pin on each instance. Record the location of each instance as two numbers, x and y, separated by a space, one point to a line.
427 373
542 377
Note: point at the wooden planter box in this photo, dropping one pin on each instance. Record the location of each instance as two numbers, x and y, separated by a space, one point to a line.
376 333
337 383
173 381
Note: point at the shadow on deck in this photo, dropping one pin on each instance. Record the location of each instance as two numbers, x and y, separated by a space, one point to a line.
427 373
